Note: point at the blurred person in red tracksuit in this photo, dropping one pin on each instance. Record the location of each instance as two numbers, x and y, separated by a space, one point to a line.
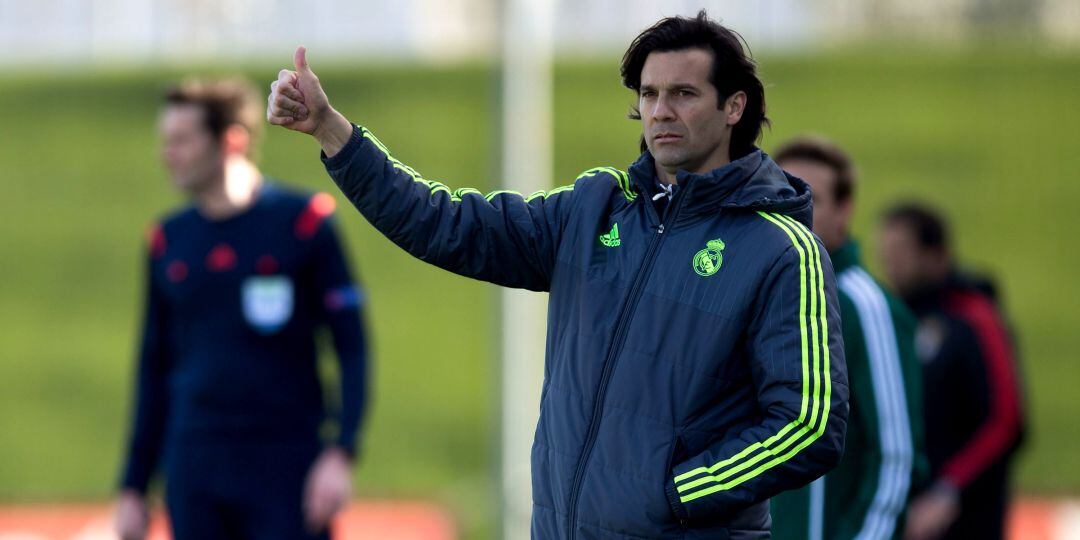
972 403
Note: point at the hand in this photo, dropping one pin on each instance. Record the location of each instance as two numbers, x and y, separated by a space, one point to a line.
931 514
328 488
132 517
297 102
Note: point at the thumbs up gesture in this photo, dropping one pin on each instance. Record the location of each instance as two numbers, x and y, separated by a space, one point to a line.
298 102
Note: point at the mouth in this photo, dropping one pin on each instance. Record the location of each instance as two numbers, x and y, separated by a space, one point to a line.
666 138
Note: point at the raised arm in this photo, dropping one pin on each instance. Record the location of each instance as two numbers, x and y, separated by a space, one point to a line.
503 237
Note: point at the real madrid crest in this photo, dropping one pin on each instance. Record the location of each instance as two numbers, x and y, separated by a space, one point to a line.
707 261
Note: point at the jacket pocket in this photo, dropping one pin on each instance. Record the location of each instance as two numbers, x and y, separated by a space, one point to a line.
676 456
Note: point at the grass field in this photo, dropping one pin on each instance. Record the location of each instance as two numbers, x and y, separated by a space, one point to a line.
991 136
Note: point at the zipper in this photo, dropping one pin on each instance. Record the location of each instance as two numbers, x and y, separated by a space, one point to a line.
621 326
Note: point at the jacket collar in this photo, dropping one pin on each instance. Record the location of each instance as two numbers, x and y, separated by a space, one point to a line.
753 182
845 257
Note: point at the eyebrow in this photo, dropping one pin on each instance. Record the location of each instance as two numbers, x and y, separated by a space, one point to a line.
676 86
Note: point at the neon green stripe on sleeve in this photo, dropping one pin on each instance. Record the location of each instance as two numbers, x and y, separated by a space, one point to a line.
815 346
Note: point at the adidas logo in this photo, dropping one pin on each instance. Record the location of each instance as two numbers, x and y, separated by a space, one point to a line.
611 239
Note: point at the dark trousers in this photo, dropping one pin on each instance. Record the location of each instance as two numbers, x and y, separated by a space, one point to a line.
238 490
983 507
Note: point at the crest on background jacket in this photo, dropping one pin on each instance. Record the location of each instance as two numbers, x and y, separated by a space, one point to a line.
267 302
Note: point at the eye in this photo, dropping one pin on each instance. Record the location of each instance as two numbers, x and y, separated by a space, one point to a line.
648 93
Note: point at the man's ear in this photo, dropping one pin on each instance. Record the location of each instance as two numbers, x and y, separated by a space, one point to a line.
734 107
846 211
236 140
939 261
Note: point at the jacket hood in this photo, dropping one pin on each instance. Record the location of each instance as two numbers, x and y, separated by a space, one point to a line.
753 182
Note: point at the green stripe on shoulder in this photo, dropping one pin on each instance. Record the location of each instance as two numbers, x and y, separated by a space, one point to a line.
622 180
457 194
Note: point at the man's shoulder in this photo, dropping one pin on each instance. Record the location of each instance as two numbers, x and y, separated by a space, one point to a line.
303 211
973 309
286 197
856 284
605 181
859 297
859 290
775 234
169 226
178 218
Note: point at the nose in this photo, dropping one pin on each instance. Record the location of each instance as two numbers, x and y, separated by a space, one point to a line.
661 109
169 156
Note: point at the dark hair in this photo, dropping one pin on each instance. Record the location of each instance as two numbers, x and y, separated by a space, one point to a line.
927 224
225 102
732 69
820 150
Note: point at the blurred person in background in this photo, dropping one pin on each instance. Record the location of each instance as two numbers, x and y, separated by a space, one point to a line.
228 400
884 458
972 405
694 365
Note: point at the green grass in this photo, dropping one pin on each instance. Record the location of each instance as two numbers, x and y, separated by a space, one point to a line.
988 135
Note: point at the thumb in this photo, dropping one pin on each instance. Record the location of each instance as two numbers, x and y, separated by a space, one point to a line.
300 60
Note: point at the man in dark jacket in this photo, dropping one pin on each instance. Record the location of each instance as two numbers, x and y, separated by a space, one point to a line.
972 400
694 360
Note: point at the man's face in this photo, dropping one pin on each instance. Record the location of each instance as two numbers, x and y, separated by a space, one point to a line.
907 265
683 126
831 218
190 153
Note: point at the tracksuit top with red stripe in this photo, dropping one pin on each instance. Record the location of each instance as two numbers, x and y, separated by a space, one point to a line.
974 417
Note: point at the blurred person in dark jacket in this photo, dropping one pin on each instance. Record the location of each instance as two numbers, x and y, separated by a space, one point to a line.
228 400
973 406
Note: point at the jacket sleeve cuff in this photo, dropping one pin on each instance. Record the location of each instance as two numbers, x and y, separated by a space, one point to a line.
676 505
946 486
134 482
346 153
349 446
